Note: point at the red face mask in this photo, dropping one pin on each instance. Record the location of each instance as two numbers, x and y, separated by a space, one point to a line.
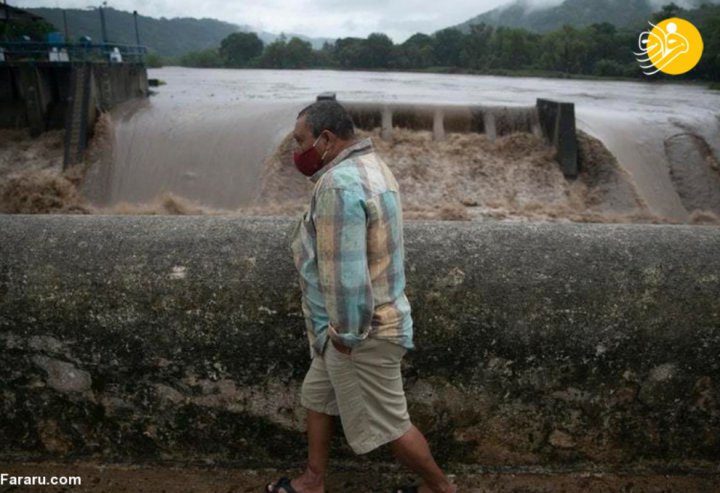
310 161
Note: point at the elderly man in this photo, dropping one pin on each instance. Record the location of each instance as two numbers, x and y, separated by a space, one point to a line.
348 249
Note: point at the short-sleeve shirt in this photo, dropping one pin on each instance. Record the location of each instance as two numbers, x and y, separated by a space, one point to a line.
348 250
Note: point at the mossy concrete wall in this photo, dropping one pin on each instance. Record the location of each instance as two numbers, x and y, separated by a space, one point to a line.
147 338
36 94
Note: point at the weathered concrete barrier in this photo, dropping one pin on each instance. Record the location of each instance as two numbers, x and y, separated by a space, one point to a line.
36 95
145 338
558 125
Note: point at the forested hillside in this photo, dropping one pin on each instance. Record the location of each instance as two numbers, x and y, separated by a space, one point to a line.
165 37
577 13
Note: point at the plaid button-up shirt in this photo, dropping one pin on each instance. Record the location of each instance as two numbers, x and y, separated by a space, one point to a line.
348 249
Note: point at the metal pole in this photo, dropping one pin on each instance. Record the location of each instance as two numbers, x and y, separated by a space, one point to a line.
102 25
67 32
137 32
5 25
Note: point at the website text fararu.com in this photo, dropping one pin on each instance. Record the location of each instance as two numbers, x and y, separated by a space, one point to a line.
10 480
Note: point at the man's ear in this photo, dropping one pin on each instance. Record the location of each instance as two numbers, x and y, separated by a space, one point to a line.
329 136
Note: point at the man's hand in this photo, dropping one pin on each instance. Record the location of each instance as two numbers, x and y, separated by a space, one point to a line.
340 347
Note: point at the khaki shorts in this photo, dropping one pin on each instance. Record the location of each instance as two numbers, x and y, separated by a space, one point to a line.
364 388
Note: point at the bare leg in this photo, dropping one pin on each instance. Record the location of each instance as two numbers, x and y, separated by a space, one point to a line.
319 433
412 450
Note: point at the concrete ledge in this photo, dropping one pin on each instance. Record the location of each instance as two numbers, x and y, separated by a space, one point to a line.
147 338
493 121
558 125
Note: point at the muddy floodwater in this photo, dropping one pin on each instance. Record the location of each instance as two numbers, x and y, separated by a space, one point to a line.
215 142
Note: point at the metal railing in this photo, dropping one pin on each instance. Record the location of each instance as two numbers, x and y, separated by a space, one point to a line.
71 52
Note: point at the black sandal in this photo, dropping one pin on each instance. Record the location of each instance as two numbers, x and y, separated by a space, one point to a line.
283 483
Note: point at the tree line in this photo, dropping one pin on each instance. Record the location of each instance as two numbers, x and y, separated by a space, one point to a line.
595 50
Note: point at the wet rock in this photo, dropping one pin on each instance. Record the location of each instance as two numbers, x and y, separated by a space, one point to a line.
63 376
623 395
53 438
663 385
572 395
562 440
115 406
452 279
168 394
46 344
11 341
706 396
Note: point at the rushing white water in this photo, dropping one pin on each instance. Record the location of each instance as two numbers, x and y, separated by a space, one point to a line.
206 133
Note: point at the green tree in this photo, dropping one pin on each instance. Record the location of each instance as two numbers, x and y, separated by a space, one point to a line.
603 42
298 54
448 45
202 59
274 54
351 53
379 50
415 52
476 47
565 50
667 11
238 49
295 53
325 57
153 60
36 30
709 66
609 52
512 48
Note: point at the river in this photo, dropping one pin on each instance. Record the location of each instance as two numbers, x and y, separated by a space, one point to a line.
206 134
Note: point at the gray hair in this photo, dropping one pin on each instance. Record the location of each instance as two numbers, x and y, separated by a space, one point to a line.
328 115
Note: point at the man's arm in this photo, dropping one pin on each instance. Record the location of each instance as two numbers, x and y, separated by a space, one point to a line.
341 229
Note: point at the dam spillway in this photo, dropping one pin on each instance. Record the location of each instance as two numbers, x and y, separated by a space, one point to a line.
213 146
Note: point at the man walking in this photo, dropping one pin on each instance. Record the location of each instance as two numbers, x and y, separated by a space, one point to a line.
348 249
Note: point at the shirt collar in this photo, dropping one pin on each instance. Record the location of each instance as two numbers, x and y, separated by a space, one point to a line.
364 145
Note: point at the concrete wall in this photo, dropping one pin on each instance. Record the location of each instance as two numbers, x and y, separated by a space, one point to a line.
36 92
558 125
12 110
116 83
6 86
43 87
127 338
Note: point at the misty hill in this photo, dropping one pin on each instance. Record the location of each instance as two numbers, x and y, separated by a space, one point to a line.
167 37
531 15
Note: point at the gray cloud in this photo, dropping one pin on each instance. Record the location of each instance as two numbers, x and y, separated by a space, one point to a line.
399 19
317 18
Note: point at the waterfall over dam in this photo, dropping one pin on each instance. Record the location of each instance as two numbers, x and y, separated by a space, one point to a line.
210 136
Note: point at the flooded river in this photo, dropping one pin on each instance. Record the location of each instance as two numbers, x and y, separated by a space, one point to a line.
206 135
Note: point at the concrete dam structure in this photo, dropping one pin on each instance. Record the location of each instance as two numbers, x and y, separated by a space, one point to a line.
181 338
45 95
554 121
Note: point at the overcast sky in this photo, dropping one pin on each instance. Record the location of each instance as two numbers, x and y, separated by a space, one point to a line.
399 19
